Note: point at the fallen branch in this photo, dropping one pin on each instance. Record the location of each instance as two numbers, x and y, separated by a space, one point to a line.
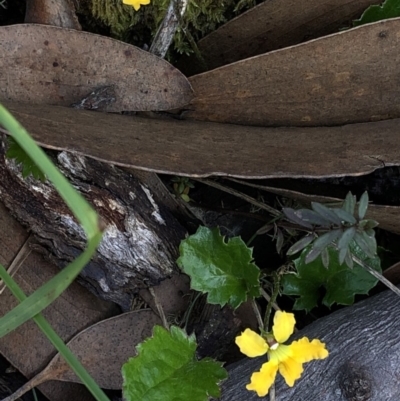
363 364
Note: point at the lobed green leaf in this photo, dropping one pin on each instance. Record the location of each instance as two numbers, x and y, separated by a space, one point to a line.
388 9
223 270
166 369
313 283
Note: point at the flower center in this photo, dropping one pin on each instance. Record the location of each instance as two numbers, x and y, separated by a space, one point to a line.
274 346
272 343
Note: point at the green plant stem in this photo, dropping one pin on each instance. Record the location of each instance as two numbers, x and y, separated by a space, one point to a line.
54 338
274 295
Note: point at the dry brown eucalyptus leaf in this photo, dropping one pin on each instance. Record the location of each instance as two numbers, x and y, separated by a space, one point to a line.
272 25
199 149
102 349
43 64
347 77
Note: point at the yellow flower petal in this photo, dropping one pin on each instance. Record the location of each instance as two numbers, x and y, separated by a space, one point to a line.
262 381
136 3
251 344
291 370
305 351
283 326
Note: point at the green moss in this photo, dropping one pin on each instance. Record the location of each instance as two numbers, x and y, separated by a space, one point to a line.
138 28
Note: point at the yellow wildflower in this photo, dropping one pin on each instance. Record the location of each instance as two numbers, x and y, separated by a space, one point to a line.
136 3
288 359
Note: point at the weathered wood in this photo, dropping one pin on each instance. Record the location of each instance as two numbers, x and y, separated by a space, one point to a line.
272 25
200 149
27 348
363 364
338 79
139 247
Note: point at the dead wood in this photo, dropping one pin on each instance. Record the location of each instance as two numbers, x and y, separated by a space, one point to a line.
363 363
27 348
139 247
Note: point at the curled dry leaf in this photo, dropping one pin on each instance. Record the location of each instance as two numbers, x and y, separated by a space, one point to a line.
43 64
102 349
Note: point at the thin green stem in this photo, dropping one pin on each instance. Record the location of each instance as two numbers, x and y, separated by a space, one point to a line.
274 295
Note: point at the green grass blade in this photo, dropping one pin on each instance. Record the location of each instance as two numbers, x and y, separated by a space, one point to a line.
48 292
78 205
32 306
56 340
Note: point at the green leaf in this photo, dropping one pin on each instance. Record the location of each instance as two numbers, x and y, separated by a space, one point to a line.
388 9
326 239
326 213
29 167
312 217
166 369
345 216
349 203
301 244
340 283
346 238
363 205
292 215
222 269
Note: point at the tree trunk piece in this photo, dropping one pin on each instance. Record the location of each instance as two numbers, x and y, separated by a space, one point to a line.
363 364
139 247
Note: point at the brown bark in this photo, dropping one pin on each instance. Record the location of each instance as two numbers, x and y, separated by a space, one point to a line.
363 364
139 247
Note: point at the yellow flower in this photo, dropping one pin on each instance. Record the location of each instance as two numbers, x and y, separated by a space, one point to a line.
288 359
136 3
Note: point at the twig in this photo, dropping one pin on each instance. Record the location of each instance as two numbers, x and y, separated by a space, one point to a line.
18 261
159 308
257 313
168 27
239 194
377 275
268 298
